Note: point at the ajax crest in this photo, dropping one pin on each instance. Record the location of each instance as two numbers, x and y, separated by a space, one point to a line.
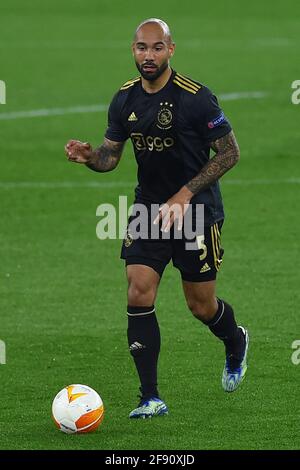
165 116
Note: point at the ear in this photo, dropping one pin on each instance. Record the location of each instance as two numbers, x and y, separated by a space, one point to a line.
172 49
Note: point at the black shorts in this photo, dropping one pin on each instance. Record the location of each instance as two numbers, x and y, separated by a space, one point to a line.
197 265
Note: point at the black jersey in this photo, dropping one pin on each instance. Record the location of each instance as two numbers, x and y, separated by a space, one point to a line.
171 132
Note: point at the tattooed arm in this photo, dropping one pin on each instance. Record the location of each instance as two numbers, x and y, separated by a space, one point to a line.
227 155
107 156
102 159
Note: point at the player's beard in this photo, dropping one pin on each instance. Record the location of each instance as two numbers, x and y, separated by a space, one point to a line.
151 76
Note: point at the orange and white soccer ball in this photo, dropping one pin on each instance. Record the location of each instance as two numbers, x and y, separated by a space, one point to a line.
77 409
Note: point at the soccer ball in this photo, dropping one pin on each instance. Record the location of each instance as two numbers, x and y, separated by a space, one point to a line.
77 409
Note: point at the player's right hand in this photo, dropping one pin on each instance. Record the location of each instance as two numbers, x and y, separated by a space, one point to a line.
78 152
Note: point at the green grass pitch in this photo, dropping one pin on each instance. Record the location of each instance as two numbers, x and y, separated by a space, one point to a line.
63 292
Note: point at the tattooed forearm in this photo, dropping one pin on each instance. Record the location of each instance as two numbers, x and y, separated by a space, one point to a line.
106 157
227 155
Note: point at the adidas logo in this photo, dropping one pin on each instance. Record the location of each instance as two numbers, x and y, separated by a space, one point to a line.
205 268
132 117
134 346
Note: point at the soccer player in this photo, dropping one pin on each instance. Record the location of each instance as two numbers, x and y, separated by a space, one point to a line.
173 121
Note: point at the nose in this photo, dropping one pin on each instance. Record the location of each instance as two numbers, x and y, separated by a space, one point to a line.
149 54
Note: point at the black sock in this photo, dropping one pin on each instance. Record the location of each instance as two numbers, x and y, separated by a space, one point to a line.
144 344
224 326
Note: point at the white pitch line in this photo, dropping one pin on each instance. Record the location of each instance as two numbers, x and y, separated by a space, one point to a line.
65 184
261 182
243 95
95 108
126 184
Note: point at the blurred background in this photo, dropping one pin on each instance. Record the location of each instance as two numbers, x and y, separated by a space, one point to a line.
63 291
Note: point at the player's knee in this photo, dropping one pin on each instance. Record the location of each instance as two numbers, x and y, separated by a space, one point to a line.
202 310
140 293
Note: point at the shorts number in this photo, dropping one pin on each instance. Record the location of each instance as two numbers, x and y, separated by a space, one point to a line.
202 246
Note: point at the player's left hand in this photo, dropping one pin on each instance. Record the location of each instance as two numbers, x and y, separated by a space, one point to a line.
174 210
